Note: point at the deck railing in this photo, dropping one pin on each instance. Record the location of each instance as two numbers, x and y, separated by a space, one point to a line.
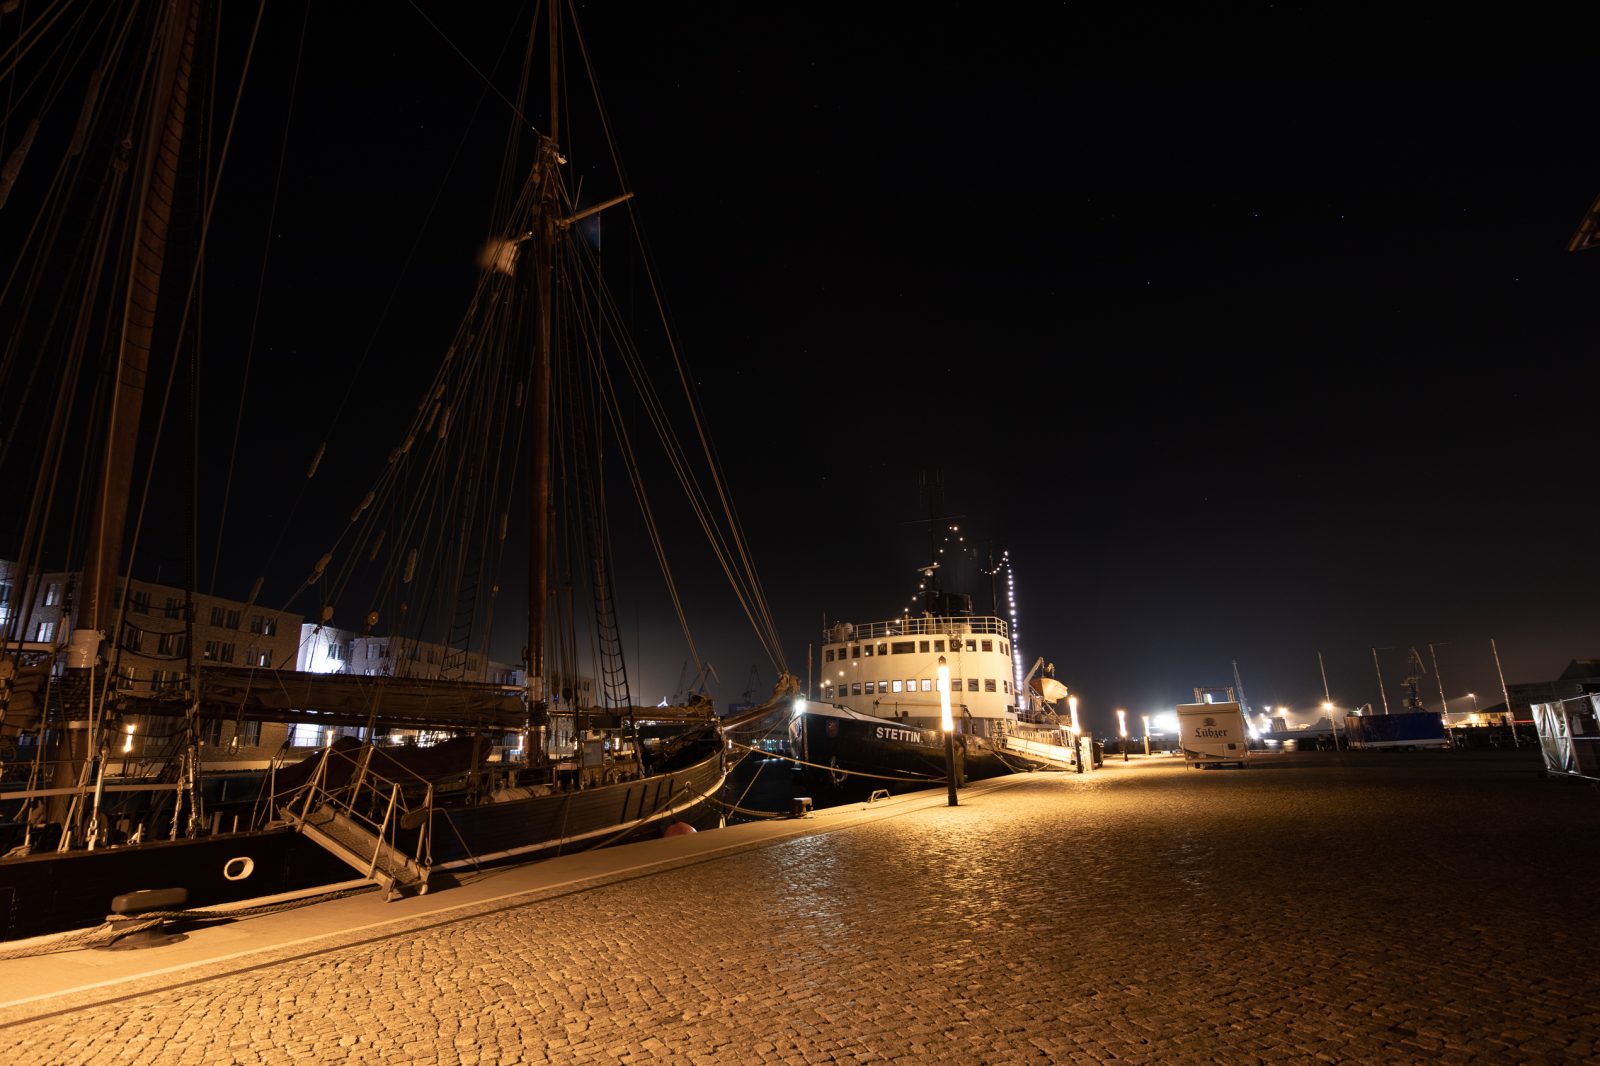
912 626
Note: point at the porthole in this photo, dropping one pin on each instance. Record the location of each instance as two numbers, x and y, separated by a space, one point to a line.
238 869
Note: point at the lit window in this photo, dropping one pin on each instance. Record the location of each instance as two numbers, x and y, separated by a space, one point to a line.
898 685
47 632
855 688
927 684
972 645
52 594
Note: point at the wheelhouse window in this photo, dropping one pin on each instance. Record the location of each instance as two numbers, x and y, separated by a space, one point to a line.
938 645
855 688
988 645
972 645
988 684
972 684
902 647
922 646
827 655
883 649
898 685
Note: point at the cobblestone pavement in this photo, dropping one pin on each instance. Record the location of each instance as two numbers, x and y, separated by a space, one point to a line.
1355 907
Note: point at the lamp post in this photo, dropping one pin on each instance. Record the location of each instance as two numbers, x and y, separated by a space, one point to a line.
1146 735
947 723
1122 731
1333 725
1077 746
1473 696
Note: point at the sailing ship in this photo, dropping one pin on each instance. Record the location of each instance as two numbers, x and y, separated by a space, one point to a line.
540 391
878 712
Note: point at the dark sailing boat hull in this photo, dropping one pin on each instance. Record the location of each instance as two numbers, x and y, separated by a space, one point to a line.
572 821
58 891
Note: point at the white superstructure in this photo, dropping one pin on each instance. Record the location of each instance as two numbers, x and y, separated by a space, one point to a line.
890 669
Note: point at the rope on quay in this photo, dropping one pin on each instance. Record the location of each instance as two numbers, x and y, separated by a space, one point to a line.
831 769
115 929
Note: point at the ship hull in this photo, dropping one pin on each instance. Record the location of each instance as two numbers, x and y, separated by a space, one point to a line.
58 891
846 747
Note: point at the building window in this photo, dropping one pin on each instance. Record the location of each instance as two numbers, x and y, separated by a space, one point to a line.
972 645
855 652
216 616
1005 649
174 607
972 684
130 638
866 649
883 649
899 686
47 632
233 618
169 644
264 625
263 658
372 651
225 653
922 646
988 645
927 684
211 650
988 684
902 647
139 601
938 645
855 688
911 684
52 594
827 655
883 687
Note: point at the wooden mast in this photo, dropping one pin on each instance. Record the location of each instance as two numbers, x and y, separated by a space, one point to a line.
545 233
103 557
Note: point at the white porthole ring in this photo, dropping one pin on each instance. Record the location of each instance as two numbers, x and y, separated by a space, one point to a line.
238 869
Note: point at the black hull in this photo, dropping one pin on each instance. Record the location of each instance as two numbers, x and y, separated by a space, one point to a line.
57 891
882 753
574 821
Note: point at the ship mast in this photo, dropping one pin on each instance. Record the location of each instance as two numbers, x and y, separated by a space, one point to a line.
545 233
102 560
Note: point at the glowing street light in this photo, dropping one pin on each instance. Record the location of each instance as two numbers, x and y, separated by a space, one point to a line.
1122 732
948 724
1333 724
1077 746
1146 718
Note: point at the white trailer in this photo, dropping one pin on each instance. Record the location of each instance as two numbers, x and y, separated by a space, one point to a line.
1212 734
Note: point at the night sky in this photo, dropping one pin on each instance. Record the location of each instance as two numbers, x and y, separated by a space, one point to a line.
1250 333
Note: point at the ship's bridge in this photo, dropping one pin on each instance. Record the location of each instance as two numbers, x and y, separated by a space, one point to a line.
890 669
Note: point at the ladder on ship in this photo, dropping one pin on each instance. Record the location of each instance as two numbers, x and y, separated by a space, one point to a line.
357 815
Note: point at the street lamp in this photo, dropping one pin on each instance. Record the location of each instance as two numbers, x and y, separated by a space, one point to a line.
948 724
1146 718
1473 696
1077 746
1333 726
1122 731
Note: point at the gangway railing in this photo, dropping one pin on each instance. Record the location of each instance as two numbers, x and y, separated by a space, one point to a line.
358 815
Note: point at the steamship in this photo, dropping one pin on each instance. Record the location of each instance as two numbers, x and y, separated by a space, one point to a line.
877 716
